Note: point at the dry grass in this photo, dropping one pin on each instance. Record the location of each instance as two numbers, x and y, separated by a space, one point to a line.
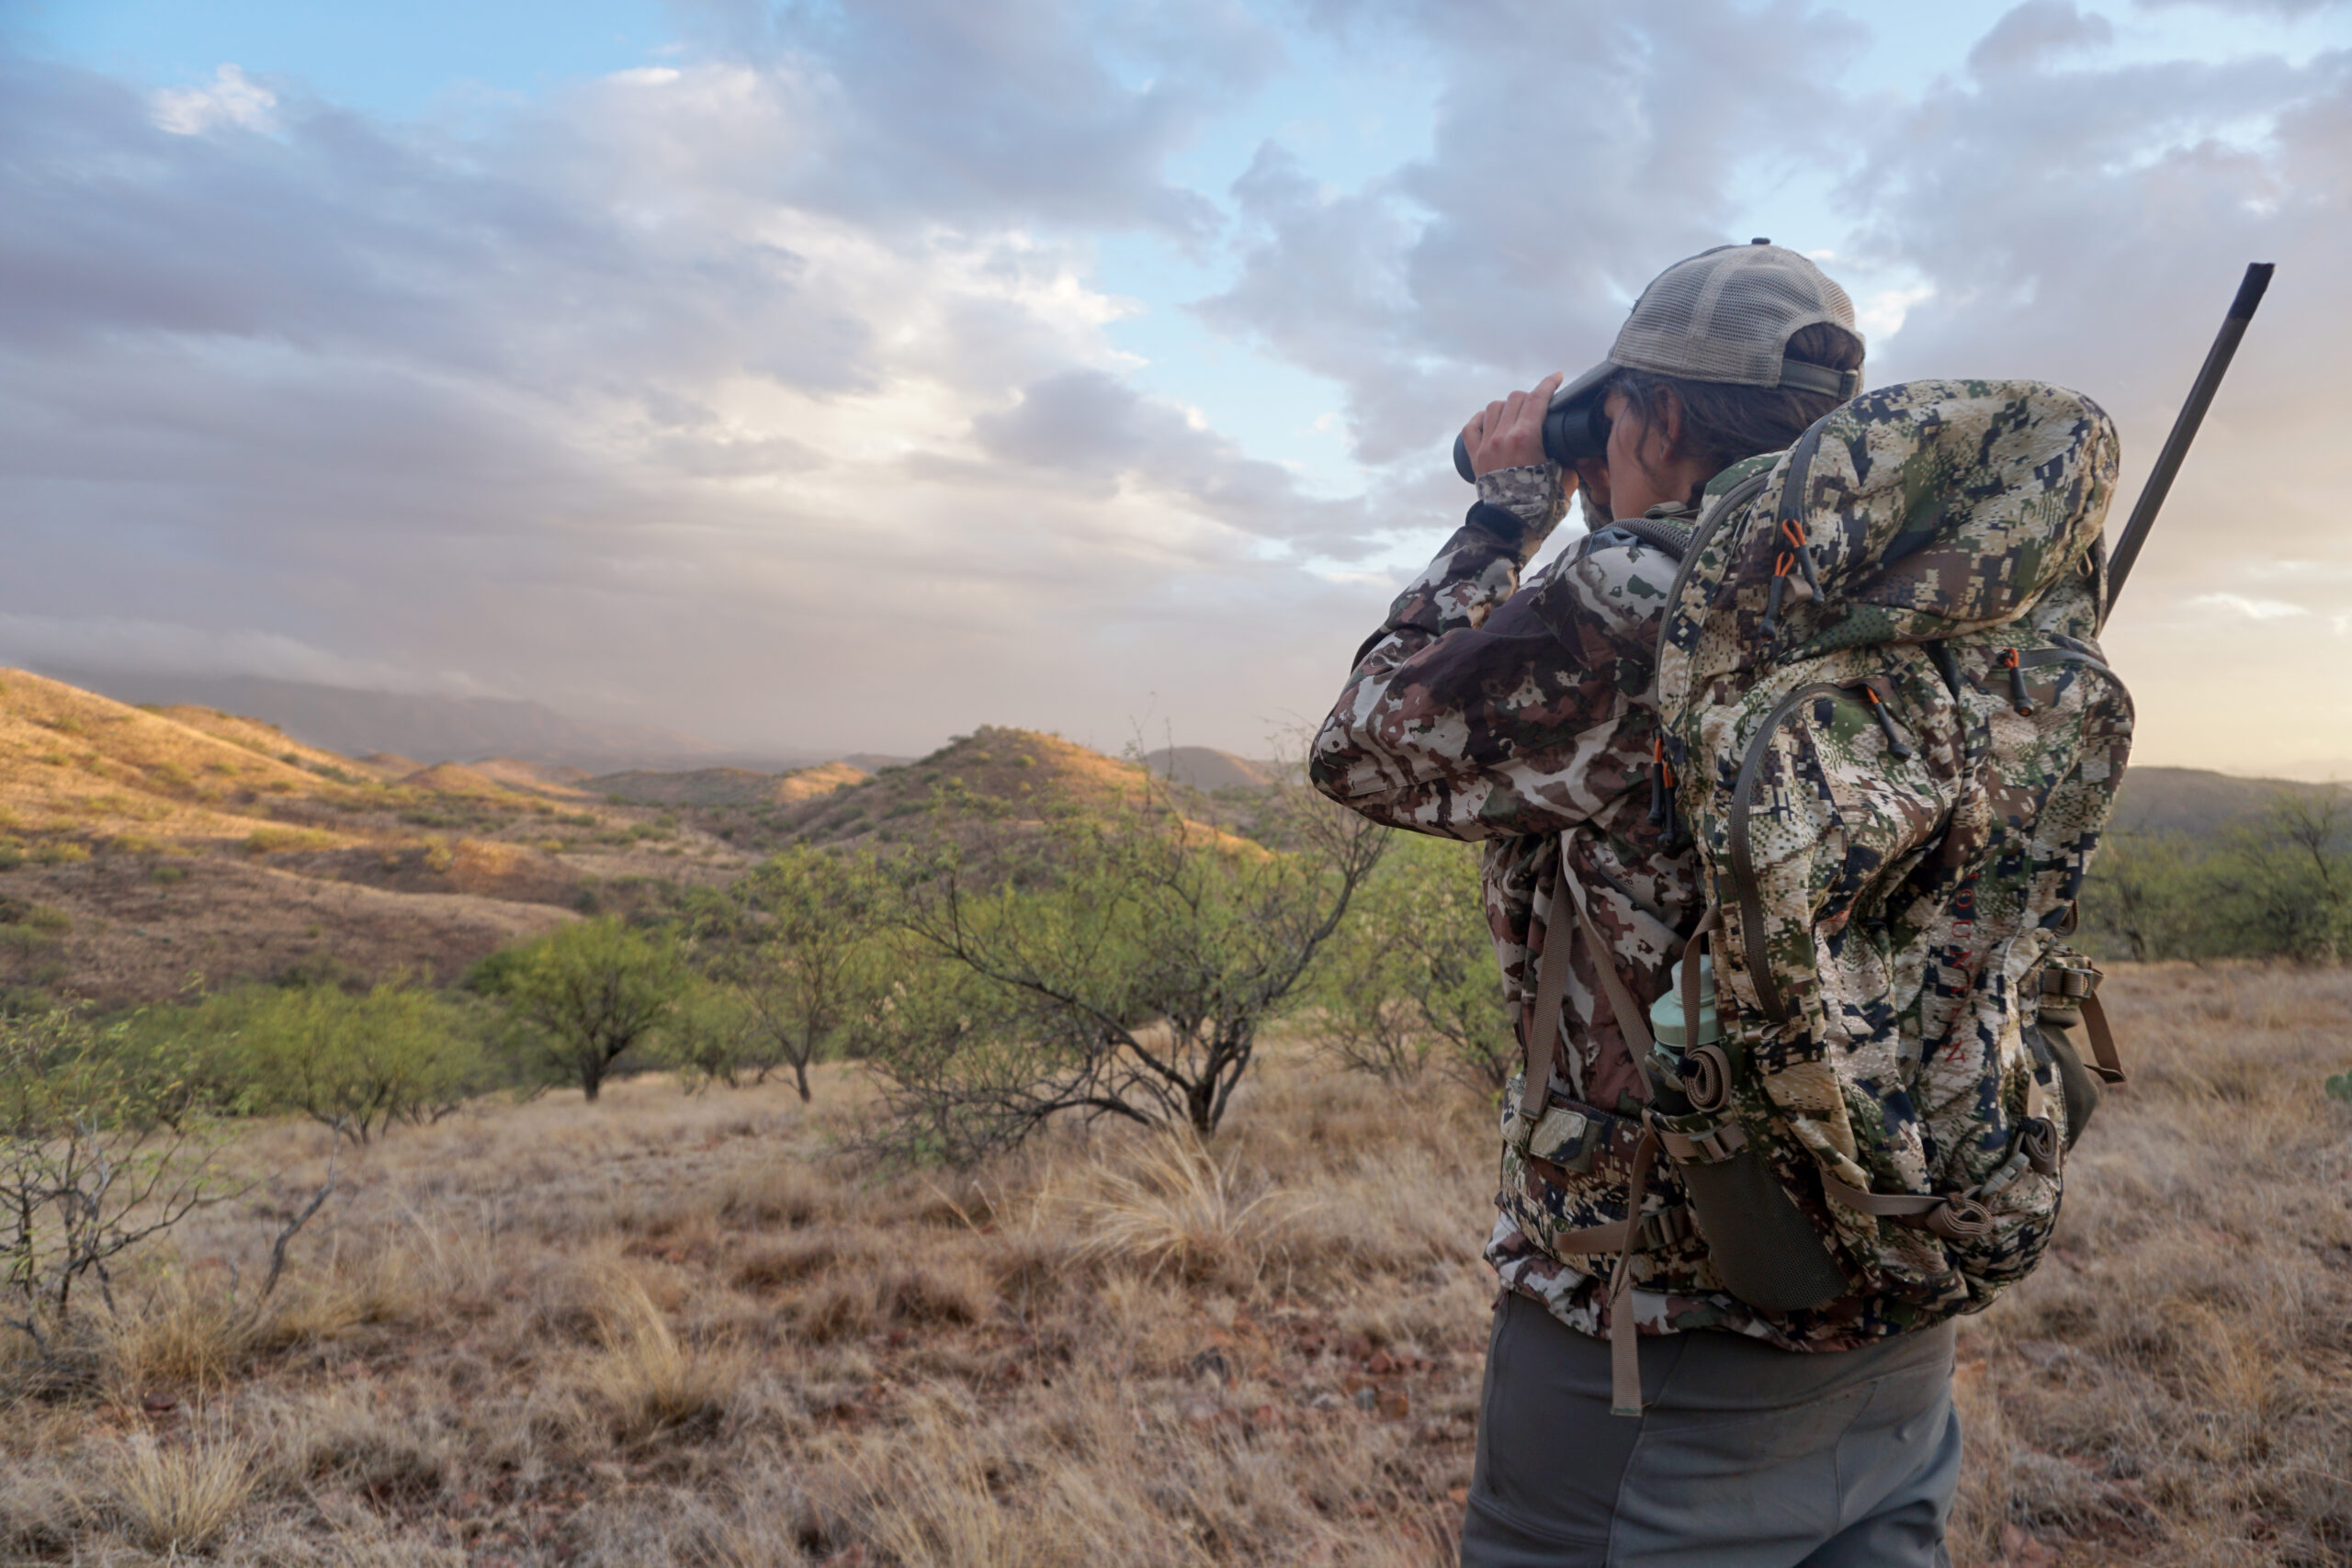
672 1329
182 1497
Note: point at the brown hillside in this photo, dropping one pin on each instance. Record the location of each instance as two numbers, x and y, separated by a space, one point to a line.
539 778
808 784
231 831
1032 773
453 778
709 787
2200 802
122 936
1206 767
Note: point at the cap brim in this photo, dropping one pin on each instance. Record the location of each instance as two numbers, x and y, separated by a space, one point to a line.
1585 386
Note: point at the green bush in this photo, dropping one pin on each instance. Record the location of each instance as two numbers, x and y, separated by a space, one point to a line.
89 1165
796 941
1410 977
586 993
712 1035
2277 888
357 1061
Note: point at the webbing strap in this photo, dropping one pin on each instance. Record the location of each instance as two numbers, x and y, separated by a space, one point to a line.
2110 1062
1540 1028
1955 1218
1624 1339
1632 1018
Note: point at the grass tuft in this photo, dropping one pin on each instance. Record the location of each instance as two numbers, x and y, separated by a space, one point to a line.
183 1497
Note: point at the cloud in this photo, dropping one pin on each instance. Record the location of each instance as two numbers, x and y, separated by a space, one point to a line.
116 643
626 405
2030 36
2238 604
2291 10
233 98
775 392
1579 148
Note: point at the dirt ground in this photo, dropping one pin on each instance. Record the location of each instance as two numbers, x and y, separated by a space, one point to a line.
685 1329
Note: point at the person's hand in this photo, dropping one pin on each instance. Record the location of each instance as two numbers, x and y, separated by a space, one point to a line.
1509 433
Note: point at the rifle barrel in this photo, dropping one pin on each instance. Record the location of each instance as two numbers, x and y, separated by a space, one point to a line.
2184 428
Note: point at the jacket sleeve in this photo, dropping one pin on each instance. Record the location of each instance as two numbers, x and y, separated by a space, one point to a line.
1482 709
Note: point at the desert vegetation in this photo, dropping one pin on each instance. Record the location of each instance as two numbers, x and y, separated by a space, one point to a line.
1014 1156
706 1327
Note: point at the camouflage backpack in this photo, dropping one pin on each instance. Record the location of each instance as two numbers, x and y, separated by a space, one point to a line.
1894 742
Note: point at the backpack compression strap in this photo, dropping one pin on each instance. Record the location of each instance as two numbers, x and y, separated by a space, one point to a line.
1625 1237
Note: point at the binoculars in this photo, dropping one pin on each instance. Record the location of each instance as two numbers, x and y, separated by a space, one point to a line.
1575 428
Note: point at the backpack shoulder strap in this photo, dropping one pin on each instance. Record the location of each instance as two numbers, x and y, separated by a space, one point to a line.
1659 532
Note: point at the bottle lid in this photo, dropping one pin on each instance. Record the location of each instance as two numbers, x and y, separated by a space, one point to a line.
1666 1013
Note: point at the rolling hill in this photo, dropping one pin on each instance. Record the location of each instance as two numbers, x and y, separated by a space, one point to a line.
1206 767
723 787
1024 772
354 722
2197 802
140 847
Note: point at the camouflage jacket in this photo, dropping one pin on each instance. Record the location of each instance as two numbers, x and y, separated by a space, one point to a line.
1524 716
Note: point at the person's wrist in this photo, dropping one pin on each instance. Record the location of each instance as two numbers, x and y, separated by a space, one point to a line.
1532 493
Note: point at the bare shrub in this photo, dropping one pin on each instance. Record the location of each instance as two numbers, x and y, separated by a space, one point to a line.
89 1168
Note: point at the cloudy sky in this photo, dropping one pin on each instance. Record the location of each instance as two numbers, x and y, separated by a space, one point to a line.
811 375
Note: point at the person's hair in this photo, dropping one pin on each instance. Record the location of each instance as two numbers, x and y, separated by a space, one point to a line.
1722 423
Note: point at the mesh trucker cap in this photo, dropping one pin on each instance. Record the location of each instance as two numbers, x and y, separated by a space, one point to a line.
1727 315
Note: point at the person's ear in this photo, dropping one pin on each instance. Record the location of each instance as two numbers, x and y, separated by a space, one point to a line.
1668 431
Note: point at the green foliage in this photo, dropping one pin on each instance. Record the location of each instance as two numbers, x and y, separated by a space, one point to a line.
2277 888
1410 977
360 1062
711 1036
357 1062
588 992
2339 1085
1118 964
90 1164
796 941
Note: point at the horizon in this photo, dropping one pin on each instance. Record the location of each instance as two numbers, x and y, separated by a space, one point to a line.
825 380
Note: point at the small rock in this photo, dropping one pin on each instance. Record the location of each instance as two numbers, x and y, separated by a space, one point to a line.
1366 1398
1327 1400
1395 1405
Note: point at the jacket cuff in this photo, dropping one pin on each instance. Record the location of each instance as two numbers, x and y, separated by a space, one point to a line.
1532 493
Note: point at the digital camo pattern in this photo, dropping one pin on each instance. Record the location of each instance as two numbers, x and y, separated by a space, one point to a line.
1532 493
1886 915
1521 717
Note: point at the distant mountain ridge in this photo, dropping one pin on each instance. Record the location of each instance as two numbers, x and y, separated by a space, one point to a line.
356 722
1206 767
2197 801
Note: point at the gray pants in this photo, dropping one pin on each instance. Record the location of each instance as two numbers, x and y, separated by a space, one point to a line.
1747 1457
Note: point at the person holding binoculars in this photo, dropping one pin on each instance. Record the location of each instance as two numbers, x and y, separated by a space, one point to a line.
1520 714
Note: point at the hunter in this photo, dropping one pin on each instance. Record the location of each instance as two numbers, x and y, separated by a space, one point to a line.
1522 714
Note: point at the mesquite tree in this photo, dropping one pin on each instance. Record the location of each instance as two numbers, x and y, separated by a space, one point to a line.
798 946
1116 963
1412 976
591 990
90 1165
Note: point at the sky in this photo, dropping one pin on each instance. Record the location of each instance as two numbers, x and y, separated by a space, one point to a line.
814 376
